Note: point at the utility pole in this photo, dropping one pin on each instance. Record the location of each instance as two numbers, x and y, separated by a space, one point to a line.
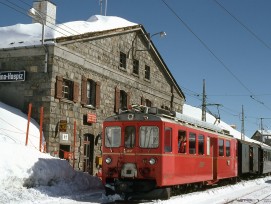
203 117
262 129
243 125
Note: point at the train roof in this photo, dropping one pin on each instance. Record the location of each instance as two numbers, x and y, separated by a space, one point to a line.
157 114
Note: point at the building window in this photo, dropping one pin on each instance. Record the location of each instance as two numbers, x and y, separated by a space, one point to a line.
67 89
147 72
91 92
122 99
135 67
122 60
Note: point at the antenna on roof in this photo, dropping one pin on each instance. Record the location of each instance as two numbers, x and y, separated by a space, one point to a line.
105 8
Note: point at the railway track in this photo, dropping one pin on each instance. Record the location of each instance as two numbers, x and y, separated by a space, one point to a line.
260 196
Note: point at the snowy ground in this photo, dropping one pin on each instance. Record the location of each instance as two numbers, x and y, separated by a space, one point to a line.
29 176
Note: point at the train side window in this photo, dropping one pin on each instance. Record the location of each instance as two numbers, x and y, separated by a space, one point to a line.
112 136
221 147
201 144
149 137
129 136
208 145
192 143
228 148
168 140
181 141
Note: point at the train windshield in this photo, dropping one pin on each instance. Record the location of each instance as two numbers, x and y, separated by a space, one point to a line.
112 136
130 136
149 137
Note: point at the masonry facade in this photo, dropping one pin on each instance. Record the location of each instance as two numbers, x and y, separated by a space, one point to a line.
89 77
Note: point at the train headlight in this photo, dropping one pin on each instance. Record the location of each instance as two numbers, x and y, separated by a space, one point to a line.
108 160
152 161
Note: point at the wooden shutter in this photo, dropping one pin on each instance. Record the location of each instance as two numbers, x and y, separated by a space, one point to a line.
59 82
84 91
75 91
117 99
128 100
98 94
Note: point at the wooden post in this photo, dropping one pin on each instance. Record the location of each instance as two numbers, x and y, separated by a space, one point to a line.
28 122
41 122
74 142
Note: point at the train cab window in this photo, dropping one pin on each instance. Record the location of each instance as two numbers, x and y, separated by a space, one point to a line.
208 149
149 137
129 137
112 136
181 141
201 144
168 140
192 143
228 148
221 147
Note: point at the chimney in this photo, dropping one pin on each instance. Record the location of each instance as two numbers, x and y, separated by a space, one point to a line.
47 10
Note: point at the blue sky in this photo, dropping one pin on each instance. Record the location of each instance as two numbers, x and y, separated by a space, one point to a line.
225 42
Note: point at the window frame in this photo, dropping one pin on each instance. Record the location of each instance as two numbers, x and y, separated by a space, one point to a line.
147 75
123 62
201 144
155 138
221 147
67 89
192 144
228 148
129 135
109 143
136 66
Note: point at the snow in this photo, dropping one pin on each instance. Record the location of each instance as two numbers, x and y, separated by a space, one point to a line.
29 176
30 34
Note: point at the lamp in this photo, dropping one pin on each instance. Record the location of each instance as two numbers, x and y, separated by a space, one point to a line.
35 14
162 34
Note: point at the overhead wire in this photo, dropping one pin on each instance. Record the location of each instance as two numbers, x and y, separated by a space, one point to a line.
242 24
214 55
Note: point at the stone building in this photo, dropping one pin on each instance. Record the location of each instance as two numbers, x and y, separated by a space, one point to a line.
263 136
81 79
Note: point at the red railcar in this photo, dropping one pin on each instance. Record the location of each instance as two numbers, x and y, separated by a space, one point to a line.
151 151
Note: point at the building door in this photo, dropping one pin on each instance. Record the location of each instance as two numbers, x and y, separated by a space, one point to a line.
88 153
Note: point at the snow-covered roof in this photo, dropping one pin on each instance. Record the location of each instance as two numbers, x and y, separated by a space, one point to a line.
30 34
196 113
264 132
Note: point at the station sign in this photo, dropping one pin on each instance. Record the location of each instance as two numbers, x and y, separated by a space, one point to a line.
12 76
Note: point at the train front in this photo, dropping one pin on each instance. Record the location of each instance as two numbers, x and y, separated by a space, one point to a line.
131 159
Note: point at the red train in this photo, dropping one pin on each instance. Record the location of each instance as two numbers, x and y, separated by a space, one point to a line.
152 152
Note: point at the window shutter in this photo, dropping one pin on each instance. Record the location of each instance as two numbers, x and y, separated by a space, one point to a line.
98 94
59 82
84 91
128 100
117 100
75 92
143 102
